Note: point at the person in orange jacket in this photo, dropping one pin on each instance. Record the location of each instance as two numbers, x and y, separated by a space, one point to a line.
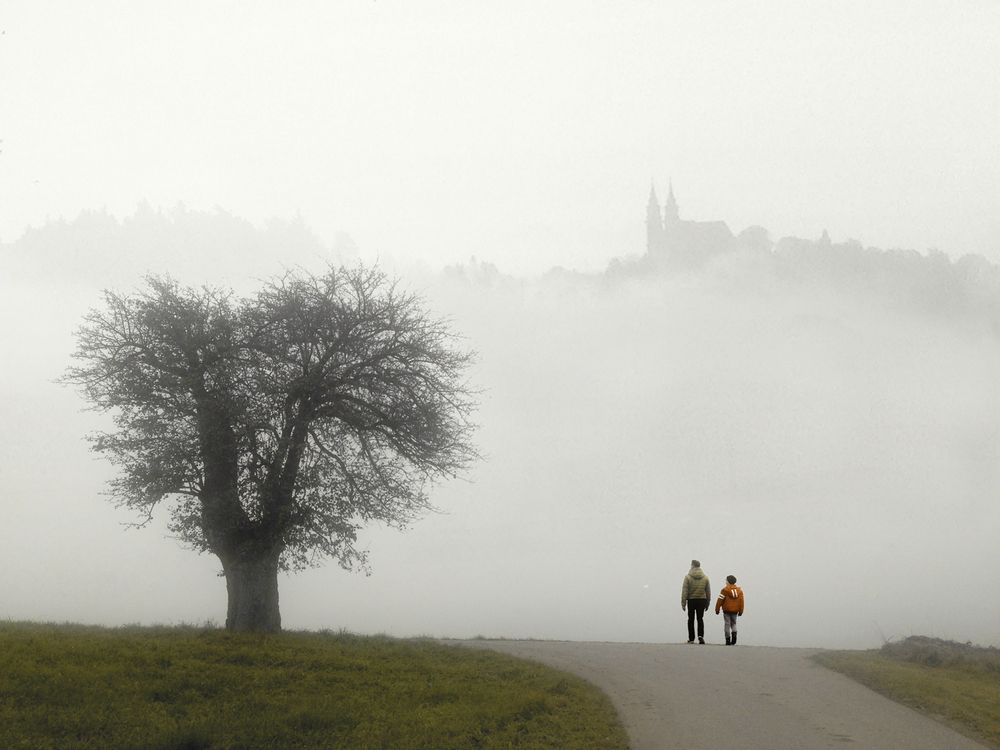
730 601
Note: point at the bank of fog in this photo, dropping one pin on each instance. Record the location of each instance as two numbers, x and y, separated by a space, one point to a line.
837 454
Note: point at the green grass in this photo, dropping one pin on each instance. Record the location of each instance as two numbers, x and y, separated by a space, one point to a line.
957 683
66 686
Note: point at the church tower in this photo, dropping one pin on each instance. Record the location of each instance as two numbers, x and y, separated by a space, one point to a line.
654 223
671 214
673 242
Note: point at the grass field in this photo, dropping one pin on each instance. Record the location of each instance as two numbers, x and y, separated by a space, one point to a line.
957 683
65 686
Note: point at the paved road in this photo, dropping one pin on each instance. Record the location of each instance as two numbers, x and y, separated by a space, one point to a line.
747 697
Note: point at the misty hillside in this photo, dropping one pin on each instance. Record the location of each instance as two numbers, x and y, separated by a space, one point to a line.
809 415
97 248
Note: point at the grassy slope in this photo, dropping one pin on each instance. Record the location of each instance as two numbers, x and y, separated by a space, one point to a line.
954 682
172 688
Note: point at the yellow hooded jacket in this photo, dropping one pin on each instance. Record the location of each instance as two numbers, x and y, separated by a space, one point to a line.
696 586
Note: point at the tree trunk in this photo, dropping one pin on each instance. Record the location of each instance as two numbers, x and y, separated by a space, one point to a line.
252 587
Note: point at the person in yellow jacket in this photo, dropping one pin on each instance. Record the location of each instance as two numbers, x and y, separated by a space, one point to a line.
730 601
696 593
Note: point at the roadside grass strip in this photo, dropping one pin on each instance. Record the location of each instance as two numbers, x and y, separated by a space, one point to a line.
956 683
68 686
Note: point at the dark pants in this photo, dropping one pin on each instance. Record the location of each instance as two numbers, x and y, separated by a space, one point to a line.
696 608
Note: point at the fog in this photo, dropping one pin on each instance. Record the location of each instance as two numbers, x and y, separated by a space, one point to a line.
832 441
819 417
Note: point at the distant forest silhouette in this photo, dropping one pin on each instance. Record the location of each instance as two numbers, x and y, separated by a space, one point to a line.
97 248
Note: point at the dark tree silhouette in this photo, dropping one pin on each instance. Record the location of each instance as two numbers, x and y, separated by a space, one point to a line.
278 424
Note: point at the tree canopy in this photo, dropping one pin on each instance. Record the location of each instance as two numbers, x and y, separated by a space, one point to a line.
281 423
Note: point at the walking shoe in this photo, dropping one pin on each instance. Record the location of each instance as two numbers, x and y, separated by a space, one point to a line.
729 641
701 640
734 639
691 641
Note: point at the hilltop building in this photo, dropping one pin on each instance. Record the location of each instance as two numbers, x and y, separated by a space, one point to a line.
676 242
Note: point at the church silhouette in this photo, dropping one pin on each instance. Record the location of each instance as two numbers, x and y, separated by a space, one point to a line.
676 242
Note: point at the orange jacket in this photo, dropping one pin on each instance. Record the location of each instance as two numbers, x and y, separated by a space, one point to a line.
730 599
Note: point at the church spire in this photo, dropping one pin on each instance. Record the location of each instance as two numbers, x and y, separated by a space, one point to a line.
653 207
671 214
654 221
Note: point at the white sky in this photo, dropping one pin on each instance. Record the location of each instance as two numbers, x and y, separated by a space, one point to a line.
524 133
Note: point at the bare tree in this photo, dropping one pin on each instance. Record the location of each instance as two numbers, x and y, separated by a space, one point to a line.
278 425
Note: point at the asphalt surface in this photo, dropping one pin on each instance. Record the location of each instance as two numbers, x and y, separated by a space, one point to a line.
746 697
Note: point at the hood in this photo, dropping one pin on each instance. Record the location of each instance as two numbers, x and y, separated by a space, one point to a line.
696 573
